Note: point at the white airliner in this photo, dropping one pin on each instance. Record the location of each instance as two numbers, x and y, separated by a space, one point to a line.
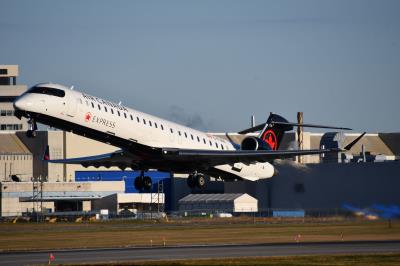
148 142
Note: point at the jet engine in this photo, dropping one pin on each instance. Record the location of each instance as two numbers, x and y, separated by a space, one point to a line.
254 144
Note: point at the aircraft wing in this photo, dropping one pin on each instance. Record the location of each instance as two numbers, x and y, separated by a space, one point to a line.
218 157
190 158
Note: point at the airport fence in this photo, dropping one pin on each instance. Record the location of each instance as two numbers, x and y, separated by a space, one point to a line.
244 214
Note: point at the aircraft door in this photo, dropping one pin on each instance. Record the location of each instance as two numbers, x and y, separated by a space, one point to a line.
72 106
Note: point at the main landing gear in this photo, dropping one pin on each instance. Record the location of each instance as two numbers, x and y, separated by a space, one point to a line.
143 182
31 133
196 180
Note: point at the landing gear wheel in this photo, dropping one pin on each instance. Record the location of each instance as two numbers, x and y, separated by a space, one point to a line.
147 183
200 181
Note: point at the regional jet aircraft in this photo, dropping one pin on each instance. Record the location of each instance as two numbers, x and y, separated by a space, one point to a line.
148 142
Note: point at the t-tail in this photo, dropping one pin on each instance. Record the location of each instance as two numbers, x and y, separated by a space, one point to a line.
272 132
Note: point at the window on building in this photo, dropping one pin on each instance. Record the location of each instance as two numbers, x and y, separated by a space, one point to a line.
3 113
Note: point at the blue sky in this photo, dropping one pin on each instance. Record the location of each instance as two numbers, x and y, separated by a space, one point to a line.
213 64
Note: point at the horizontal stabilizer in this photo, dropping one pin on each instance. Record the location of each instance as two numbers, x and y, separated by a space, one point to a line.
308 125
261 126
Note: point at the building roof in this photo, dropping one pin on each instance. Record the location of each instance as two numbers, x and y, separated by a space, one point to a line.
209 198
11 144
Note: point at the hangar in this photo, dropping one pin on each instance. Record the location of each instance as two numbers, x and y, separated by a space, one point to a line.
227 202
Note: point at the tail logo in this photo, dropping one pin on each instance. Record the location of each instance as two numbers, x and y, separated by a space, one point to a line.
270 138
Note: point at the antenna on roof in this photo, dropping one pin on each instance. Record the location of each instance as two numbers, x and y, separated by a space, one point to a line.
72 88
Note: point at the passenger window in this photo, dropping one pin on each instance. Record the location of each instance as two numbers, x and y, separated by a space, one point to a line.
204 140
198 139
112 111
98 106
138 120
222 147
144 121
155 124
125 115
162 127
131 117
92 105
185 135
105 109
179 132
150 123
119 114
191 136
210 143
172 131
216 144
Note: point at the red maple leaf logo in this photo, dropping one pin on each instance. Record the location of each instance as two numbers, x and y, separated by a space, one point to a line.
270 138
88 115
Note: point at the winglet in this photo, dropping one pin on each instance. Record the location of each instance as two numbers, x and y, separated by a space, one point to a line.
46 155
351 144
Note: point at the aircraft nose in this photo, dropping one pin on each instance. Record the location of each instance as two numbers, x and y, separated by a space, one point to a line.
22 103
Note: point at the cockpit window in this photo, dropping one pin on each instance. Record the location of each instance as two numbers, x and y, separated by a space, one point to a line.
48 91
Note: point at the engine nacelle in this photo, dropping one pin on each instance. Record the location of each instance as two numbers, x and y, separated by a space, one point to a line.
254 144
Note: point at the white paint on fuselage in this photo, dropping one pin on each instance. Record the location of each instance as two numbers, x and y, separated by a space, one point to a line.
111 118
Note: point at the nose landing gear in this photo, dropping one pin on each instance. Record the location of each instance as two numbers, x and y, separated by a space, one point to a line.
31 133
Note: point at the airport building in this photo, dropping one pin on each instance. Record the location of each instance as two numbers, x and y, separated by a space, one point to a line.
9 90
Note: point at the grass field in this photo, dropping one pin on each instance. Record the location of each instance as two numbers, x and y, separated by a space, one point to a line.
342 260
26 236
